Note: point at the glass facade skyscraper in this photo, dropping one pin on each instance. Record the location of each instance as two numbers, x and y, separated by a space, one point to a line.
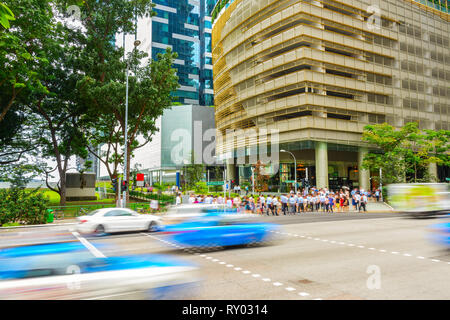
185 27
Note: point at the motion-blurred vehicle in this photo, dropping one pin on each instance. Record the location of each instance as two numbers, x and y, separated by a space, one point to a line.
420 199
440 232
184 212
220 229
110 220
69 271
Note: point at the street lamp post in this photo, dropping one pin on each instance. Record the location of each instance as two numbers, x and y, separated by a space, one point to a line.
125 177
295 168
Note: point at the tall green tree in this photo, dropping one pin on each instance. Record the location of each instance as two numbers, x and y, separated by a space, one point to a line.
103 87
405 153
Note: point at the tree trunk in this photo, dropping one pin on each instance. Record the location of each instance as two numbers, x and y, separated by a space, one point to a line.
62 190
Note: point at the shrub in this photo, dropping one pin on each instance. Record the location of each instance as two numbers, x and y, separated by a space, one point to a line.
18 205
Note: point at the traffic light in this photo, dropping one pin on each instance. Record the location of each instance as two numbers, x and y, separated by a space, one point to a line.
124 186
114 185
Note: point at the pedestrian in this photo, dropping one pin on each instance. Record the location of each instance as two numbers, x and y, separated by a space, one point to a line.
269 205
300 201
363 203
292 204
341 202
275 204
262 203
358 201
377 195
284 204
178 200
330 203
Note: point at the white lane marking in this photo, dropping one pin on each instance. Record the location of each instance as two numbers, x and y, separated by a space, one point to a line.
382 250
303 294
265 279
316 238
208 258
341 242
395 252
420 257
246 272
407 255
277 284
362 247
215 260
332 241
256 275
89 246
351 245
229 266
318 299
435 260
324 240
237 269
372 249
202 255
290 289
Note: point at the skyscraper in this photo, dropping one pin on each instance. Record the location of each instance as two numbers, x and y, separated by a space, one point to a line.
319 71
185 27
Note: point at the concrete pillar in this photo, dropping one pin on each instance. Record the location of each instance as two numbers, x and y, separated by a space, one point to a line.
231 170
364 175
432 171
321 165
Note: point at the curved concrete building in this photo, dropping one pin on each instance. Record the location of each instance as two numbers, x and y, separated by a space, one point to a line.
319 71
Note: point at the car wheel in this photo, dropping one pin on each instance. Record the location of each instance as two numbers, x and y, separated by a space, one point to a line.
100 230
152 227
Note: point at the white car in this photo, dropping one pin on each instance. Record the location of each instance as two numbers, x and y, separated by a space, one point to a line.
110 220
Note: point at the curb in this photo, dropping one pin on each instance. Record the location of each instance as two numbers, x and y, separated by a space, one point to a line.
39 225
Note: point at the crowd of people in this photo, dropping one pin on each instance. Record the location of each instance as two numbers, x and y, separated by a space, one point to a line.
312 200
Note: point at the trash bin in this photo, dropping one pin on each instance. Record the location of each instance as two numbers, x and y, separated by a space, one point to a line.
50 216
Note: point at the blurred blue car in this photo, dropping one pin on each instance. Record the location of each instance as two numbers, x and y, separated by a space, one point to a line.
440 232
70 271
221 229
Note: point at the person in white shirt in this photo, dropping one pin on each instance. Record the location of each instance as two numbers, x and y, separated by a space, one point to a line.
300 202
358 201
262 204
220 200
178 200
191 199
308 202
292 204
269 205
208 199
275 204
229 203
363 202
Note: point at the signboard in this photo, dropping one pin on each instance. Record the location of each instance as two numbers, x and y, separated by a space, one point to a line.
139 183
215 183
139 177
290 181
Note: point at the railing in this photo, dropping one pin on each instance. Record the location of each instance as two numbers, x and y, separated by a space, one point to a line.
63 212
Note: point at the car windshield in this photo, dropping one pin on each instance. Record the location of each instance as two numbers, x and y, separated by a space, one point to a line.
93 212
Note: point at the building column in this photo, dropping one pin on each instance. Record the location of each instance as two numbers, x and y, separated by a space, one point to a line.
432 171
321 165
364 174
231 170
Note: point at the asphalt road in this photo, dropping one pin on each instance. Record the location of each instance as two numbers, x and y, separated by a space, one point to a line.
318 256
